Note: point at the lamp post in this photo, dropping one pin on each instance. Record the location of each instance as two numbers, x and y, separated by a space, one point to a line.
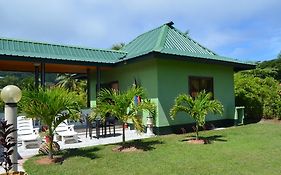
149 124
11 95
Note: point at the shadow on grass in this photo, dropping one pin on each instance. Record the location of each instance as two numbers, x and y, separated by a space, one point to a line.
142 145
207 139
80 152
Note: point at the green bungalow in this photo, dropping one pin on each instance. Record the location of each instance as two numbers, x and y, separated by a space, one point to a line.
165 61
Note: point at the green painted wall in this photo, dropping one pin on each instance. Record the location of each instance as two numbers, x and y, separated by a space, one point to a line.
145 73
173 80
164 79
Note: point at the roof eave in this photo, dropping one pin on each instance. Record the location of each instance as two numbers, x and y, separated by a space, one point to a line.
54 61
236 66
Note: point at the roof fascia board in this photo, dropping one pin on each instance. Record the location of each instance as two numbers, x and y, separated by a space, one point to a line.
237 66
55 61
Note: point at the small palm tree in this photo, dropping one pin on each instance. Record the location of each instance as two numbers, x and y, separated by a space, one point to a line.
197 107
122 106
51 106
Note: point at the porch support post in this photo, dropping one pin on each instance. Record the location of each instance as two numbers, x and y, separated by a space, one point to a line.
98 79
91 97
88 88
36 76
43 76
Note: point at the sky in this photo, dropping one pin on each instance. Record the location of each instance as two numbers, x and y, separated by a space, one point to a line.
242 29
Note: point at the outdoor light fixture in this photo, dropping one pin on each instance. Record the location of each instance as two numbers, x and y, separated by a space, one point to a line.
11 95
149 124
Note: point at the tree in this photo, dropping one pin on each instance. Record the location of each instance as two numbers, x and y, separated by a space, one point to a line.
122 105
118 46
51 106
71 83
197 107
67 81
273 64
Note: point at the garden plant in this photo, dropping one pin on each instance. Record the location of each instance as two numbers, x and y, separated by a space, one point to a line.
51 106
123 106
197 107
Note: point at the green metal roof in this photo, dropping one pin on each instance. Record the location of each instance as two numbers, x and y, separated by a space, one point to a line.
164 40
13 47
168 40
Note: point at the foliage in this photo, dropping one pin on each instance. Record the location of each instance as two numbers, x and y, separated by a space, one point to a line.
2 104
260 96
51 106
7 142
273 64
122 105
261 73
251 149
71 83
25 81
118 46
197 107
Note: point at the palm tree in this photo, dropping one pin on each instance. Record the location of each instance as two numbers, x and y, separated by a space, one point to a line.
71 83
51 106
197 107
122 106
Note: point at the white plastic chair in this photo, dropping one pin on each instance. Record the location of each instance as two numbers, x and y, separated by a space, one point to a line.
27 135
65 132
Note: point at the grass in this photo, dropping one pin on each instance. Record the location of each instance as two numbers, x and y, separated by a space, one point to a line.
251 149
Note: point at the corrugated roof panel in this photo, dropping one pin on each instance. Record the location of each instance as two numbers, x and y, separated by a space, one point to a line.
58 52
164 39
169 40
180 42
142 43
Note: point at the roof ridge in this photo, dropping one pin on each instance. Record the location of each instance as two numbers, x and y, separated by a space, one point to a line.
161 38
144 34
62 45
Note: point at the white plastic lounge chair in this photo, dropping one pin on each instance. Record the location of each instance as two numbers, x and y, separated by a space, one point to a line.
65 133
27 135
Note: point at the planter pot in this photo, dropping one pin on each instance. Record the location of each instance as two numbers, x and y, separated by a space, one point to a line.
125 125
47 139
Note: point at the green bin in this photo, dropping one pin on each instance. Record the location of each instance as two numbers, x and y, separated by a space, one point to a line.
239 115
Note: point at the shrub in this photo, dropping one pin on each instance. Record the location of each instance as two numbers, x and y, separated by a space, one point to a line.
7 142
260 96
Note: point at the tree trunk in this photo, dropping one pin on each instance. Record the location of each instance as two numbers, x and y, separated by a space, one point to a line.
197 127
123 136
51 135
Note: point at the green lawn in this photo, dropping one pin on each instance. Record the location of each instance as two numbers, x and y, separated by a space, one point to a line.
251 149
